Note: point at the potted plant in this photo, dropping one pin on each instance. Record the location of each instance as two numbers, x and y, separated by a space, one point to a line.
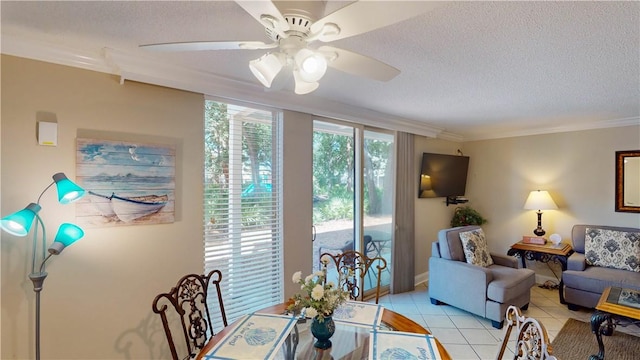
466 215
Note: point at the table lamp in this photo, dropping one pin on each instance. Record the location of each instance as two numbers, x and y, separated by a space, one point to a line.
539 200
20 223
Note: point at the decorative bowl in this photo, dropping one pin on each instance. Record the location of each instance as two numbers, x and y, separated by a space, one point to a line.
555 239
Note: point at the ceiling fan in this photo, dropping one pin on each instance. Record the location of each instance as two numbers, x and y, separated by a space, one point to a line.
294 29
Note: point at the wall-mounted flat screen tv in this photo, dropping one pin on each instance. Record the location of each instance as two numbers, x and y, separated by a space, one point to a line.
443 175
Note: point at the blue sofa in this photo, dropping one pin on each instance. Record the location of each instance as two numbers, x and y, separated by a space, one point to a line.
583 283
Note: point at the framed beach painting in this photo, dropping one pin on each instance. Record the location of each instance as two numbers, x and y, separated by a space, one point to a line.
127 183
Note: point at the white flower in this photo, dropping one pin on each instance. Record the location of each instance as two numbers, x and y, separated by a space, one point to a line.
332 298
317 297
310 312
297 276
317 293
325 259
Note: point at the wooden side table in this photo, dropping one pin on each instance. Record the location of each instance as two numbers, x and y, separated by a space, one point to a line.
544 253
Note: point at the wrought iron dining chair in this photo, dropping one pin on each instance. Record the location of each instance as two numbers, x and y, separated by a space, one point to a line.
185 307
532 341
354 266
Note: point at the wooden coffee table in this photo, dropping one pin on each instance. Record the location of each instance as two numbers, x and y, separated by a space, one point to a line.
617 306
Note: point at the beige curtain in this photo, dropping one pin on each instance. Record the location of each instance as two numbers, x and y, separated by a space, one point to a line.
404 240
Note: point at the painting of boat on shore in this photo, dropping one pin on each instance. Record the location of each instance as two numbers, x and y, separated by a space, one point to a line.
127 183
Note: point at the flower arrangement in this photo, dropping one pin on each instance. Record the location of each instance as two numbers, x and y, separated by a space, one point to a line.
318 298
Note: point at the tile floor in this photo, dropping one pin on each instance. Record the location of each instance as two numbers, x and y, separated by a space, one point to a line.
469 337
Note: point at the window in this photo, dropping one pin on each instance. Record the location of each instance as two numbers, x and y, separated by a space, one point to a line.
242 205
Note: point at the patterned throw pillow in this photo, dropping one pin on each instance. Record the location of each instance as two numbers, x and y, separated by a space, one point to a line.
475 248
612 249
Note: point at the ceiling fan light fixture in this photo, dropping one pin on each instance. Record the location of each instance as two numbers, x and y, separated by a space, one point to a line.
266 68
312 66
302 86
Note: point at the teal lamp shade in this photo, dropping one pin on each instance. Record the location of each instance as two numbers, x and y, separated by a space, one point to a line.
19 223
67 235
68 191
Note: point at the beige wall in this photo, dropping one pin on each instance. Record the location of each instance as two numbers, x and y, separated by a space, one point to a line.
297 209
577 168
96 302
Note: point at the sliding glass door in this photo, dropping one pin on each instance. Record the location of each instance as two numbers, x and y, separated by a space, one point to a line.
334 189
379 190
353 187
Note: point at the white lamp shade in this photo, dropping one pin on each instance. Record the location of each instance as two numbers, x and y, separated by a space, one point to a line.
303 87
265 68
540 200
312 66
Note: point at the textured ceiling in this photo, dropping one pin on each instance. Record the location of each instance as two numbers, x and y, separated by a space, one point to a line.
475 69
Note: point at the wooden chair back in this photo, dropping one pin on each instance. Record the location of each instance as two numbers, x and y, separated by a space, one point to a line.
354 266
532 341
187 302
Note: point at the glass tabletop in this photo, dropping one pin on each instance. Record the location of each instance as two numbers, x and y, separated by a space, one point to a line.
349 342
620 301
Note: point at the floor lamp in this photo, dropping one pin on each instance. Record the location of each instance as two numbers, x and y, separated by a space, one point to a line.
20 223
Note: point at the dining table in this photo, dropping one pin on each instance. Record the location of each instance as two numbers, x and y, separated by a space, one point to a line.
348 343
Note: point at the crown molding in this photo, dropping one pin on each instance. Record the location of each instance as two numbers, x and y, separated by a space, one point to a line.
150 70
36 49
445 135
594 125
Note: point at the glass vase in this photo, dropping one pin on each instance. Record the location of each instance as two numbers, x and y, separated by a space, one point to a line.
323 331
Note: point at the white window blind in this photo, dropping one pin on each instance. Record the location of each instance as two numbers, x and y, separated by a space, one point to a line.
242 206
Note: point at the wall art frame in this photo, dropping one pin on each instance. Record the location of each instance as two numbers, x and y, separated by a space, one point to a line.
127 183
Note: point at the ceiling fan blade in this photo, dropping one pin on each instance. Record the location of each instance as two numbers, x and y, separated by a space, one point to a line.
209 45
357 64
267 14
366 15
